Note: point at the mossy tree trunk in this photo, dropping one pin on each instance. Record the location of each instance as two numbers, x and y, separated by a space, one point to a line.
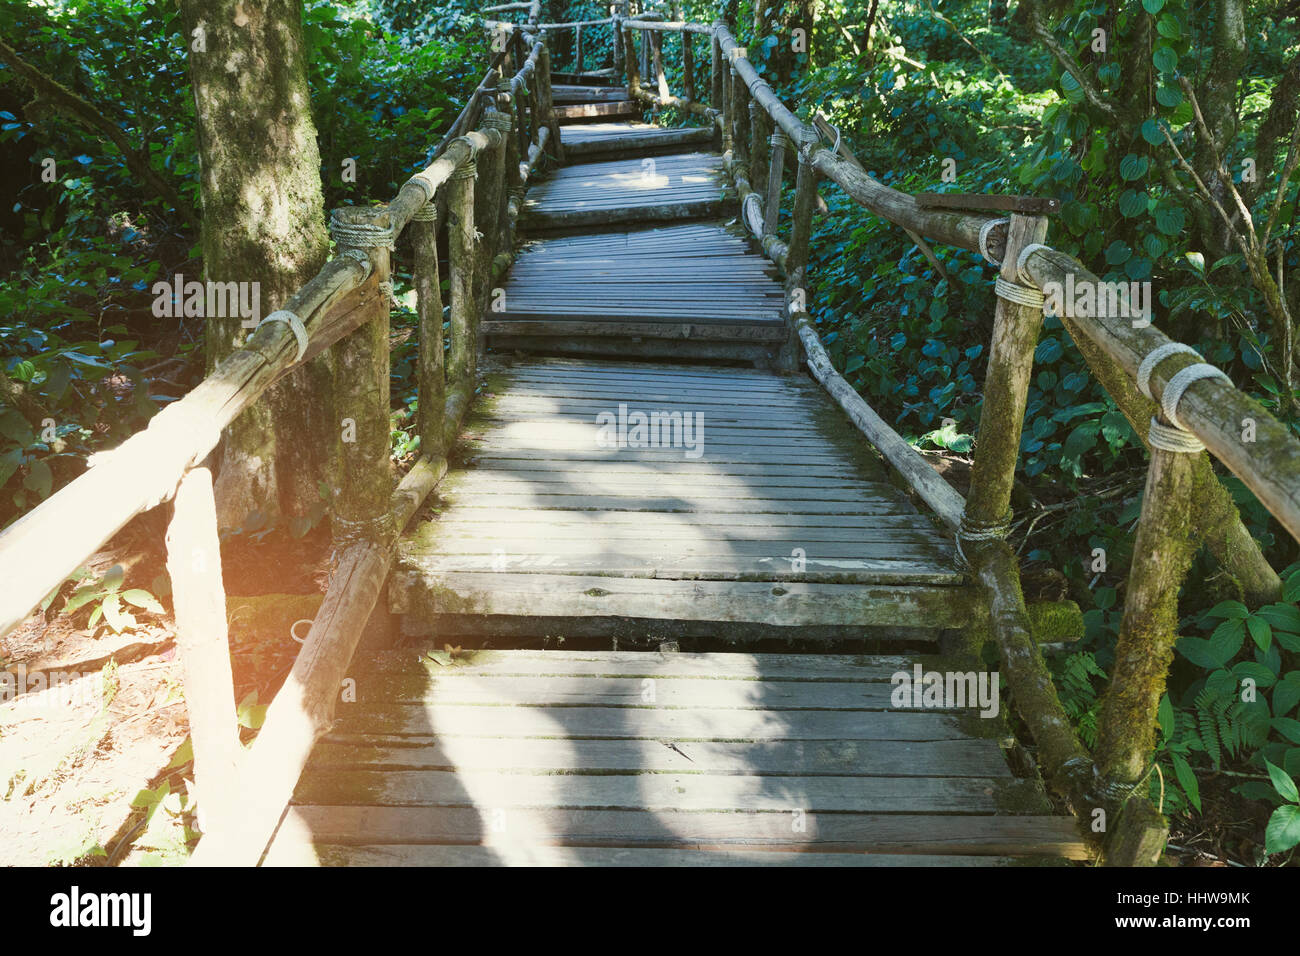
263 222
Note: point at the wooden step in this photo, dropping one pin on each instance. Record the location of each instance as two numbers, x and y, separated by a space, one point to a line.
593 758
574 113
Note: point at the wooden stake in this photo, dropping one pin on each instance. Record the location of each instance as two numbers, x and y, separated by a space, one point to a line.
688 68
194 564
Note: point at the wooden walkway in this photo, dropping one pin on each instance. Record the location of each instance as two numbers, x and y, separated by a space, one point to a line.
598 490
648 759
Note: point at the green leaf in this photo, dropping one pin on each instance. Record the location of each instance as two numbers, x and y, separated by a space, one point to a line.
1164 58
1284 617
1170 219
1151 132
1133 167
118 619
1153 6
14 427
1288 727
1233 610
142 599
39 479
184 754
1286 694
112 579
1260 632
1165 717
1282 783
1187 780
1283 831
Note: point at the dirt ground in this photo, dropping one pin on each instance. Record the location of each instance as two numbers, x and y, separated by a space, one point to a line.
95 765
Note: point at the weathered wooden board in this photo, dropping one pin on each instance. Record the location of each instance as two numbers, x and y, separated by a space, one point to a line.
827 832
301 852
671 187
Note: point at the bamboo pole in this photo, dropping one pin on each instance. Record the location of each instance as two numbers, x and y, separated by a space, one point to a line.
194 565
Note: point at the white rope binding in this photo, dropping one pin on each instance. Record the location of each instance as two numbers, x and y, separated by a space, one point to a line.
1155 357
1019 294
1023 259
985 229
294 323
1176 440
1173 392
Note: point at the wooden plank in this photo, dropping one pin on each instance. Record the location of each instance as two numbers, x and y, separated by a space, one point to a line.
491 791
573 111
834 832
436 683
785 604
783 758
1030 205
715 666
454 720
288 851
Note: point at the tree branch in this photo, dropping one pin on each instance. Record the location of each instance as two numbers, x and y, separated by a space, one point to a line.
93 119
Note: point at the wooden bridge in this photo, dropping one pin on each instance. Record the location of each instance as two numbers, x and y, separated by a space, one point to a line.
638 436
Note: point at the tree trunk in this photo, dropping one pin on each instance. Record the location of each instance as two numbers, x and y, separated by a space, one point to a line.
263 223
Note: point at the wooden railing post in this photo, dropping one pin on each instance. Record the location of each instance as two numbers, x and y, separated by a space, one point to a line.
796 260
361 508
717 98
199 597
738 101
775 173
688 67
487 204
462 364
428 307
1162 554
633 70
759 129
657 57
578 59
617 41
1006 390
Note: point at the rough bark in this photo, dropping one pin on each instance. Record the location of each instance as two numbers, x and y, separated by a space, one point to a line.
263 222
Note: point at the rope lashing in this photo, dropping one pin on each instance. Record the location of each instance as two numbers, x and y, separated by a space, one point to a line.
985 230
361 256
295 324
1173 392
779 140
1175 440
372 529
467 170
1019 294
426 213
1174 437
1022 260
1155 357
360 235
971 530
424 183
